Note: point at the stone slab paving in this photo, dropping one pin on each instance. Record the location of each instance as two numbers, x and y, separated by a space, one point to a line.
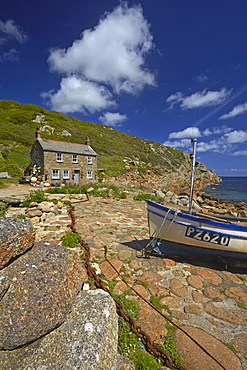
207 300
203 297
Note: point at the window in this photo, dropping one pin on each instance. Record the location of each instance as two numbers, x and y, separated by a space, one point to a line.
55 174
89 160
74 158
65 174
89 174
59 157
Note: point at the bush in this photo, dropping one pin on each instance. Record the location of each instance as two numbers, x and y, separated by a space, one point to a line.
144 361
3 209
70 240
34 196
67 189
143 196
12 170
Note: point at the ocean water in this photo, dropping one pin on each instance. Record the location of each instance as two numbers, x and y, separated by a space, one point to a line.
231 189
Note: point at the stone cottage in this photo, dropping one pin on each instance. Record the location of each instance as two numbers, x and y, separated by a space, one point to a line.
58 162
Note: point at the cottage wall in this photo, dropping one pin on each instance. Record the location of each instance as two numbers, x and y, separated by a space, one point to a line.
77 171
37 160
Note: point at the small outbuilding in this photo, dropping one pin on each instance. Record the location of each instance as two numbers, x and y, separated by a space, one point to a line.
58 162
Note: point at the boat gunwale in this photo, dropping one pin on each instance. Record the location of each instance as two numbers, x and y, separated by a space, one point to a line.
236 236
200 219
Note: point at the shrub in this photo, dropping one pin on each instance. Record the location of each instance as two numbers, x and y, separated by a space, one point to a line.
70 240
34 196
3 209
169 345
143 196
144 361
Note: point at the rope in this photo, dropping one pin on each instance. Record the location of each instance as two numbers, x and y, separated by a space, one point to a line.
158 239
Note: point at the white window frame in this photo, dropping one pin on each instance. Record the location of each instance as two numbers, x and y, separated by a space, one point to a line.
74 158
89 159
55 174
89 174
66 174
59 157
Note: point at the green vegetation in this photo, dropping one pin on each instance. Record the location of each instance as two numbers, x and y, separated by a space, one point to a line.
3 209
35 196
156 302
118 152
143 196
241 305
103 191
70 240
130 345
67 189
169 345
231 347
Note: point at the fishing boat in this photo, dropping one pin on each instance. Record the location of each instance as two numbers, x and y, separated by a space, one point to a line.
187 228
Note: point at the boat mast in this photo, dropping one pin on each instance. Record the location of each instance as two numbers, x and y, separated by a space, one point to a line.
193 156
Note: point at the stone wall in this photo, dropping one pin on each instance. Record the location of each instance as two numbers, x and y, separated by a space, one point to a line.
82 166
47 321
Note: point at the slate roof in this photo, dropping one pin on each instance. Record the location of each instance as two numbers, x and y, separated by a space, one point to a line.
65 147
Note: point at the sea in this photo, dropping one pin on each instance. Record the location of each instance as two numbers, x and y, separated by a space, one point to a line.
231 189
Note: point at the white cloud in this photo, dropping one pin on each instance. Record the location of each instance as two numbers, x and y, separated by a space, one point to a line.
238 109
9 31
113 53
207 132
113 119
184 143
78 95
240 152
236 136
212 145
225 139
201 78
189 132
12 55
199 99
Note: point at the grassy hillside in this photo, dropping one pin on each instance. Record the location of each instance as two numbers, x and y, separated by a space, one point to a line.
118 152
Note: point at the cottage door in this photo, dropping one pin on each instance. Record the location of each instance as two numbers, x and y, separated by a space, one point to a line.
76 176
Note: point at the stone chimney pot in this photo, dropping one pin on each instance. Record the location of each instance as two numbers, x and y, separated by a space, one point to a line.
38 133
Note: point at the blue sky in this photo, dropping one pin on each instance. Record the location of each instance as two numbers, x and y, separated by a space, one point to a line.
162 70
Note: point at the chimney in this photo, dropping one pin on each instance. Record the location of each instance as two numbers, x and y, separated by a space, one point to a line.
87 142
38 133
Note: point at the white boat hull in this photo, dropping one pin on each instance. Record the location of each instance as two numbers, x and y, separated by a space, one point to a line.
186 229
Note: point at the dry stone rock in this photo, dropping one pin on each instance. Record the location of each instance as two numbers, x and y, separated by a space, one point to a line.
238 294
86 340
178 288
33 212
109 272
240 344
195 281
193 309
171 302
152 322
16 237
197 296
211 292
195 358
141 290
149 277
157 290
42 285
235 316
120 287
209 275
